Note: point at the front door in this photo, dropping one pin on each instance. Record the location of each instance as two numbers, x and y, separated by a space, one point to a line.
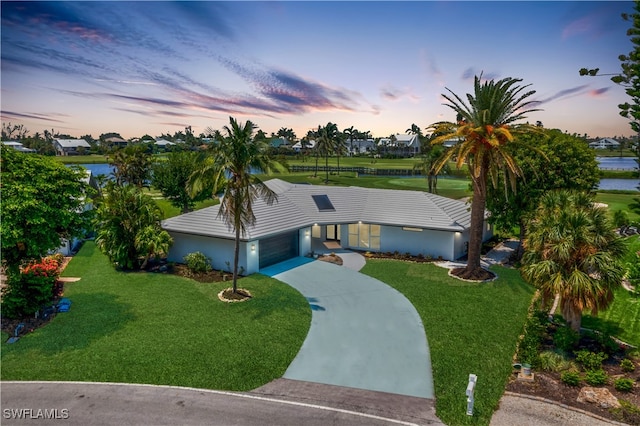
333 232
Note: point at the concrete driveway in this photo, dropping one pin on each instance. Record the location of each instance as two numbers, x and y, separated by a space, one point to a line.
364 334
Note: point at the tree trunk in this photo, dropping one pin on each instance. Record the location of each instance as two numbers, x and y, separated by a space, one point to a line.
572 316
236 256
523 233
473 270
326 167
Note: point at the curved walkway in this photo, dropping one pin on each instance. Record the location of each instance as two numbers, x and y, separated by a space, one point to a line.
364 334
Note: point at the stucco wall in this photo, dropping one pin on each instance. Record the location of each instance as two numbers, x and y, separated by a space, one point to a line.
426 242
219 250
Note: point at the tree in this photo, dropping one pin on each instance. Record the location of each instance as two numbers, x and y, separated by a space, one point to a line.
132 165
559 161
231 167
42 203
351 132
572 250
485 129
326 143
427 160
128 226
172 176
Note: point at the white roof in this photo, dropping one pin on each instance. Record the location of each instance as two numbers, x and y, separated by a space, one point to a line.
73 143
296 209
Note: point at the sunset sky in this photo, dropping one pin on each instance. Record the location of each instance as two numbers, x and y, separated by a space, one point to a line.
156 67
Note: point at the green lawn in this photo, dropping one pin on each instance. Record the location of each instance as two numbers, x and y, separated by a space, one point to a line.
471 328
162 329
620 200
622 317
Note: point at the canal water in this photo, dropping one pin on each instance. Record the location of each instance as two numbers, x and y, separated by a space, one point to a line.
624 163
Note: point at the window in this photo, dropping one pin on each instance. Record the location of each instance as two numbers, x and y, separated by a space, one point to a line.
364 235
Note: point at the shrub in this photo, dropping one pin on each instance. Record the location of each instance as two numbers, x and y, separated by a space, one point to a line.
596 377
532 336
623 384
627 365
590 360
29 290
552 361
627 413
565 338
197 262
571 378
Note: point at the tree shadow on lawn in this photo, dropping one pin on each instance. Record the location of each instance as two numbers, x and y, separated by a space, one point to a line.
92 316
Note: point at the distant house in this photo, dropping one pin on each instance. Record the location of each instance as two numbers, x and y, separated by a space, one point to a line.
309 216
360 146
401 144
115 142
280 143
71 146
451 142
18 146
163 144
307 145
606 143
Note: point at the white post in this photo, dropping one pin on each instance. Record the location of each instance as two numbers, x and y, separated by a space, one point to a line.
471 388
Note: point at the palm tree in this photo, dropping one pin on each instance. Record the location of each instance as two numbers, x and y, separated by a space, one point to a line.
326 143
485 127
572 250
230 167
351 132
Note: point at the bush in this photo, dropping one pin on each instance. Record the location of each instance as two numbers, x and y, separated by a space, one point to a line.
552 361
532 336
197 262
623 384
627 365
596 377
32 288
627 413
571 378
565 338
590 360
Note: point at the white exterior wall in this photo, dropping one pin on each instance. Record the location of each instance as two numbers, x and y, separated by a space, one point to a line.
219 250
304 241
426 242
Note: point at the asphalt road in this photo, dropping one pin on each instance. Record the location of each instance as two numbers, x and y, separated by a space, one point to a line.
87 404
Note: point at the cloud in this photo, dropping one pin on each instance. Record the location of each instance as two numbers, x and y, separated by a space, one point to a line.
470 73
597 93
34 116
392 93
573 91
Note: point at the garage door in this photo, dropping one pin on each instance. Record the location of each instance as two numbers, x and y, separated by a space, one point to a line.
279 248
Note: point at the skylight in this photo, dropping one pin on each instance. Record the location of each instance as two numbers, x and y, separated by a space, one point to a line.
323 203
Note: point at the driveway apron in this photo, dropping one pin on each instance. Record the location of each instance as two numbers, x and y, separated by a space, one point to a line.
364 334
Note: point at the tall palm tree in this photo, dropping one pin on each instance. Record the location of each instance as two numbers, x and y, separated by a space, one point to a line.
351 132
572 250
231 167
325 144
485 128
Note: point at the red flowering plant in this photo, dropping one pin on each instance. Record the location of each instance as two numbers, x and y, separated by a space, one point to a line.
34 287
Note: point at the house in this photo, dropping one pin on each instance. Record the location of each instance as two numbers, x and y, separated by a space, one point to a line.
163 144
605 143
401 144
307 145
360 146
18 146
115 142
310 216
71 146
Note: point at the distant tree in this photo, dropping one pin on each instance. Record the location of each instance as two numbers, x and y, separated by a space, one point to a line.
427 159
559 161
42 203
287 134
232 166
485 128
128 226
172 176
352 133
572 250
132 165
325 144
